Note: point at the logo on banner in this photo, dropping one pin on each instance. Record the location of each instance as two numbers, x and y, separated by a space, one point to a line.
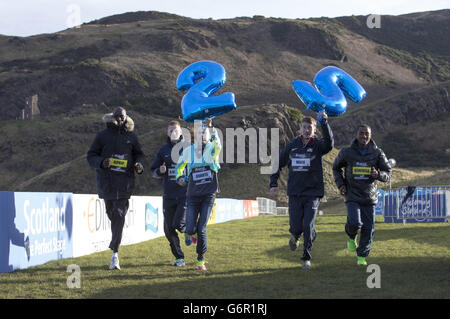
45 223
416 207
34 228
96 217
151 218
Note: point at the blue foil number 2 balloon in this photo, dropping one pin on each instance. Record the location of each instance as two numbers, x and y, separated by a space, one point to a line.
202 79
331 84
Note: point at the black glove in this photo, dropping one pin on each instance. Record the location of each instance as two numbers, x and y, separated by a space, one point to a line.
105 163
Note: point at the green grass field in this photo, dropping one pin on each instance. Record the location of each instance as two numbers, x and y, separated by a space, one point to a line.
251 259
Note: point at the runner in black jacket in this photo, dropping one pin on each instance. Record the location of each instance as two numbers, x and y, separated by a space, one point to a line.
116 154
174 195
364 165
303 156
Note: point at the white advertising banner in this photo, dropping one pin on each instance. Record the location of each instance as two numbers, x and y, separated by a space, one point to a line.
92 227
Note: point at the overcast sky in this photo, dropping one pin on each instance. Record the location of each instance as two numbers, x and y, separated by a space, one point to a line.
30 17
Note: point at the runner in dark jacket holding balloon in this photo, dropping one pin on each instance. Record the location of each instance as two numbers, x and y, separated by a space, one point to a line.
364 165
200 162
303 156
116 155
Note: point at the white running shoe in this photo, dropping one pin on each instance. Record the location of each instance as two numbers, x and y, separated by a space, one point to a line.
179 262
306 264
114 264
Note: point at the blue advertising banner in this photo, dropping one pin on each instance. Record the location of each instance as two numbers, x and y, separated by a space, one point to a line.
415 205
380 205
35 228
229 209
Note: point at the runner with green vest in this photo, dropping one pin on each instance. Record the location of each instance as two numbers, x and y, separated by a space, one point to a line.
200 161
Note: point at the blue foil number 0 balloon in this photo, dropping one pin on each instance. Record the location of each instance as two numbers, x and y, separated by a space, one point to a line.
202 79
331 84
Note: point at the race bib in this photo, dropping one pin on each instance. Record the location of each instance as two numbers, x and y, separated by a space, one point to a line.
202 181
172 174
358 170
361 171
300 163
201 176
118 162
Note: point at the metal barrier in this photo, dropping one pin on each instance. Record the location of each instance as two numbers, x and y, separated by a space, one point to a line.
417 203
266 206
282 210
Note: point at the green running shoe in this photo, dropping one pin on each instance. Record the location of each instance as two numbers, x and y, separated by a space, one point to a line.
351 244
201 265
293 243
362 261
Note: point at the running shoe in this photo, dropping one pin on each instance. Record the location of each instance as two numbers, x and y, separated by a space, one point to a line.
306 264
201 265
351 244
114 264
362 261
293 243
179 262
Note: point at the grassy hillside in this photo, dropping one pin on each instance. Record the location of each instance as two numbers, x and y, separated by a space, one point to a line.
133 59
409 127
410 40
